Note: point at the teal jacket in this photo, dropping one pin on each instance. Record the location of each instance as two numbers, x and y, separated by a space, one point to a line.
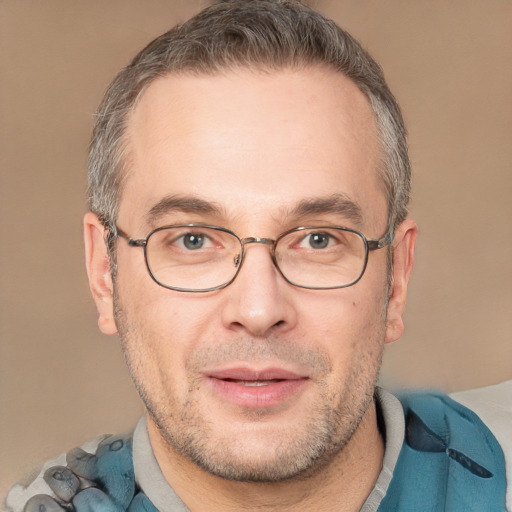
449 462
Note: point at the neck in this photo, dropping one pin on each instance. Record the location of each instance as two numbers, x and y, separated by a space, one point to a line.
342 485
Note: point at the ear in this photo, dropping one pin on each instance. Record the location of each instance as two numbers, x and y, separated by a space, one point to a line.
403 260
98 270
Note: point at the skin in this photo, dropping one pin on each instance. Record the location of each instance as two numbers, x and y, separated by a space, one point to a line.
255 145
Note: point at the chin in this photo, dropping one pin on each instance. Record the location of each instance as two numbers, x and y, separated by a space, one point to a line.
263 451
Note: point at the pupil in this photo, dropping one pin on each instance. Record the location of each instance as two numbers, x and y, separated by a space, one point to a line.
193 241
318 241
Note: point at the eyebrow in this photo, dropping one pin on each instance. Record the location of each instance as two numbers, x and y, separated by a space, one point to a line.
338 204
184 204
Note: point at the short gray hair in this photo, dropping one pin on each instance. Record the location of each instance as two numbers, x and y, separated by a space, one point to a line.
262 34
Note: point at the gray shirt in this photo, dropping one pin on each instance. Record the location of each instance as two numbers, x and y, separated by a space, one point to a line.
151 480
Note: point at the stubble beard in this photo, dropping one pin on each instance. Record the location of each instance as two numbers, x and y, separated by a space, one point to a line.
296 453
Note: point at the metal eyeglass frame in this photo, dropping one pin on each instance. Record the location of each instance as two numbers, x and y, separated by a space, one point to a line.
370 245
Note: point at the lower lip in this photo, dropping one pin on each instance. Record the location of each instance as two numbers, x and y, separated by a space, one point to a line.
257 397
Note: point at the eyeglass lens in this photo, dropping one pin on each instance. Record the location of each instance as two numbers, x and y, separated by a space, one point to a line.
202 258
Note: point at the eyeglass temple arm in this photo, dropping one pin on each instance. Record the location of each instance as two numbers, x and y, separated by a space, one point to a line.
119 233
387 239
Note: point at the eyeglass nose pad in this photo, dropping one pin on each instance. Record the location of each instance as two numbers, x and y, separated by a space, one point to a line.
236 260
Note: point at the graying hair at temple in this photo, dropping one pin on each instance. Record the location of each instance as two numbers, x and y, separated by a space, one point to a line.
264 35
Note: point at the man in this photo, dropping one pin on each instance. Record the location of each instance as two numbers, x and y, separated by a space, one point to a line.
248 239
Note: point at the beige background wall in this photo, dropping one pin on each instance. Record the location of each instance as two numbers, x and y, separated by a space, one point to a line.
449 64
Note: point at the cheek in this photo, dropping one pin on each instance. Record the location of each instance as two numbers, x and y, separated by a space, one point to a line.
347 312
157 338
161 324
349 324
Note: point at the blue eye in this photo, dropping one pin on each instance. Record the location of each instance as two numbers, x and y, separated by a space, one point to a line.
193 241
318 240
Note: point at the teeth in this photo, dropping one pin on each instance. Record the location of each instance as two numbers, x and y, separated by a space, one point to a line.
254 383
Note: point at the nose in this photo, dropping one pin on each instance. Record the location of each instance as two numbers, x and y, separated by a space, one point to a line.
259 301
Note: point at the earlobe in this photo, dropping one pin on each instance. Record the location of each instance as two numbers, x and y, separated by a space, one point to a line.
403 260
98 271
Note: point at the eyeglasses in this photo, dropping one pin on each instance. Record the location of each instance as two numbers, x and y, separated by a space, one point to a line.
203 258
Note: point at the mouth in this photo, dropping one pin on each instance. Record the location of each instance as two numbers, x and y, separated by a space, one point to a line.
256 389
254 383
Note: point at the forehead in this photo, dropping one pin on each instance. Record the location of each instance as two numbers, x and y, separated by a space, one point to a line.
252 141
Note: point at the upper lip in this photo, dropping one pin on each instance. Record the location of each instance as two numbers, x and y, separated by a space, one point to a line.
249 374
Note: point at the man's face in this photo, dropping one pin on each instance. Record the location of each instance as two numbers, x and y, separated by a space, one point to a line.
261 380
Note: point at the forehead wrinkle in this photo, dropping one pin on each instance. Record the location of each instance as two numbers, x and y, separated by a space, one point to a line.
338 204
184 204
